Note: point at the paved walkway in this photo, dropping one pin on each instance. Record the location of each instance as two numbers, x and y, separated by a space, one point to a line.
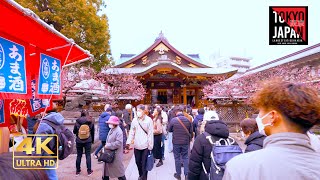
165 171
66 168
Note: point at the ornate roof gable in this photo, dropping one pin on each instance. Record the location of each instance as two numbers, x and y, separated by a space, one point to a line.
160 50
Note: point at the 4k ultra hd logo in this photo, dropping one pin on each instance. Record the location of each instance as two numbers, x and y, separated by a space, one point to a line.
288 25
33 152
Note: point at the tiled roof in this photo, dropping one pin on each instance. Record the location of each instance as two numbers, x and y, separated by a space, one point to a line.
286 59
187 70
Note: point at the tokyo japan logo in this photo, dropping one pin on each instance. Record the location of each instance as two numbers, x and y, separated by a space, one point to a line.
288 25
34 152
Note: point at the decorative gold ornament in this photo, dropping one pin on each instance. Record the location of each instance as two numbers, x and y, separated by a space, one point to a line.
145 60
178 60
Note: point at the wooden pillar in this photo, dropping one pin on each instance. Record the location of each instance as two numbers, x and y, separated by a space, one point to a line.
185 95
197 97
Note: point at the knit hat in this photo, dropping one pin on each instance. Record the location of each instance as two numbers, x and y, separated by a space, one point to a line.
210 116
113 120
128 106
109 109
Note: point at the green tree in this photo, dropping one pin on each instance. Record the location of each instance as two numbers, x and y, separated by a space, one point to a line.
79 20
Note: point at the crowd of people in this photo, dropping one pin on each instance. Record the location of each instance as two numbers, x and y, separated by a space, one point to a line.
278 140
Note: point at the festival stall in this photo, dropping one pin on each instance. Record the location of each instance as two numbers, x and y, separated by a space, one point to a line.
32 56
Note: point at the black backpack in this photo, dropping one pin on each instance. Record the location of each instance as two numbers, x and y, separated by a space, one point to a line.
65 137
220 155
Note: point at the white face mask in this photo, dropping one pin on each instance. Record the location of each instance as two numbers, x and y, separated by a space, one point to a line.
260 124
111 126
139 114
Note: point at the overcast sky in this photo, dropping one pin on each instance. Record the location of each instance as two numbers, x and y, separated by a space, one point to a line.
231 27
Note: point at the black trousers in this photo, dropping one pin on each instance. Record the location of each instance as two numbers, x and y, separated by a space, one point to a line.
120 178
141 161
87 148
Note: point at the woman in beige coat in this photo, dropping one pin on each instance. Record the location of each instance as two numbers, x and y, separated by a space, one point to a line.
114 142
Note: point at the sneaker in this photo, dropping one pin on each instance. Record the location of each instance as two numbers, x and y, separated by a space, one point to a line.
177 176
159 164
95 156
100 162
90 172
78 173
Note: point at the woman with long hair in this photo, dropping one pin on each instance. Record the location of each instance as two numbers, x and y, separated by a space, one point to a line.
157 131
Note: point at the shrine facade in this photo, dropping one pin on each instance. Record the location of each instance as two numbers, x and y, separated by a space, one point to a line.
169 76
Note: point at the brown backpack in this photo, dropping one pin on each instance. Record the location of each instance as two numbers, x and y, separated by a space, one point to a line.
84 131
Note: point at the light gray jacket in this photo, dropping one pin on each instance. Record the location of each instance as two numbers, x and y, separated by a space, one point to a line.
115 142
284 156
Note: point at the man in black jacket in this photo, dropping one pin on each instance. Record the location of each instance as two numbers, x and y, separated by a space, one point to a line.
182 131
201 150
84 143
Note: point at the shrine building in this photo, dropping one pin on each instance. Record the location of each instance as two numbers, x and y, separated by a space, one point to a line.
169 76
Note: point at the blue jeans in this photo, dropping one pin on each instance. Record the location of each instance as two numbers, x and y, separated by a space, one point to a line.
103 143
162 147
181 152
52 174
170 146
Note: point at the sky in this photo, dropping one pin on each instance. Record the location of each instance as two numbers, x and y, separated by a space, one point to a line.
207 27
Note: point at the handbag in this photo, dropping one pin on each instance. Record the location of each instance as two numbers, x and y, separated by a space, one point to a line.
108 156
150 161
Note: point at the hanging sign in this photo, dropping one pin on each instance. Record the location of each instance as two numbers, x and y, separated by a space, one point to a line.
19 107
12 67
37 104
1 111
49 78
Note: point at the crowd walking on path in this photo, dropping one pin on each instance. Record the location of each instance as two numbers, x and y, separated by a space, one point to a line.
278 140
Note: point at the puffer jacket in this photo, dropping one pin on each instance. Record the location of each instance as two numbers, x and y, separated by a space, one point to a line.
83 120
254 142
180 136
201 150
103 126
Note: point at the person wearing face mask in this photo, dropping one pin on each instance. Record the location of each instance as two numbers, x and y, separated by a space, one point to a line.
114 142
286 112
254 139
141 136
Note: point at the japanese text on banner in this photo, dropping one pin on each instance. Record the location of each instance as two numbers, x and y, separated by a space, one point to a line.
49 78
12 67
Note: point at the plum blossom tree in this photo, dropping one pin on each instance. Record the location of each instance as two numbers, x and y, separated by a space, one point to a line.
121 85
244 86
70 76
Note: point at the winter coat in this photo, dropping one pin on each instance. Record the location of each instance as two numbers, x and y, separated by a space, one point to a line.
103 126
44 128
141 140
31 122
115 142
202 148
180 135
127 117
79 122
254 142
284 156
196 120
123 131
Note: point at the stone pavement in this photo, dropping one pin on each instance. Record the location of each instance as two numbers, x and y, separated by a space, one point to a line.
66 168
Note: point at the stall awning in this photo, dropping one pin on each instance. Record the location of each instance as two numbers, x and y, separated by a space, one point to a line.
25 28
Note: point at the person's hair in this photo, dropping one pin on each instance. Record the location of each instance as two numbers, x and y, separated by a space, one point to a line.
201 111
249 125
8 172
84 113
141 106
159 114
119 114
178 109
298 103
